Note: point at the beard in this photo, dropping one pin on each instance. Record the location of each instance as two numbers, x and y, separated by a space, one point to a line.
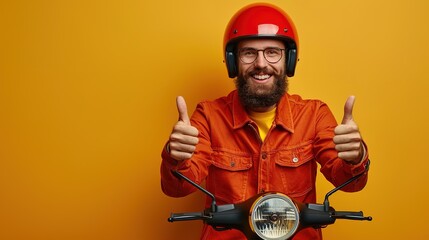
261 96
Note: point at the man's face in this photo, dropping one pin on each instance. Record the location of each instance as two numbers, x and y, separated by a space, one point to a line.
261 83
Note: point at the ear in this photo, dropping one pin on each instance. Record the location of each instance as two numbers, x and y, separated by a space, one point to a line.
231 65
291 62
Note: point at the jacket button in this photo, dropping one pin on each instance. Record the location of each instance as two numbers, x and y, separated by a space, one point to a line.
264 155
295 160
232 164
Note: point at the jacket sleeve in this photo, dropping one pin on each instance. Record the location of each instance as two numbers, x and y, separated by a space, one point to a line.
335 170
195 168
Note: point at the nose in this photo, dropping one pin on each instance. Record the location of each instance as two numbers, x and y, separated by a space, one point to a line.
260 61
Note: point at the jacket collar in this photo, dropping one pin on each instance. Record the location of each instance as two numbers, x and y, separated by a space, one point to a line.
284 119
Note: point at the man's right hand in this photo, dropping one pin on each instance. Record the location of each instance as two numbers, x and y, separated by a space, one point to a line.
184 137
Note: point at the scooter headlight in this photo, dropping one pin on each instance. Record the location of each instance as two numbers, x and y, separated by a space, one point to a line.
274 217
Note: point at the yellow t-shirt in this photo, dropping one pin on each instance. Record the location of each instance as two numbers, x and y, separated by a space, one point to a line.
264 120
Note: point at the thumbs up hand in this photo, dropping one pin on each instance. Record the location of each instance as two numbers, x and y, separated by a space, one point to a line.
348 141
184 137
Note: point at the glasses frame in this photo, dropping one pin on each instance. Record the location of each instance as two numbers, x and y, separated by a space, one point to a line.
263 53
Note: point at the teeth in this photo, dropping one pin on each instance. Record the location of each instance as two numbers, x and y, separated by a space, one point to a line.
261 77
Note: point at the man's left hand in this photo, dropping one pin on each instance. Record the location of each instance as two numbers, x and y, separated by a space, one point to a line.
348 140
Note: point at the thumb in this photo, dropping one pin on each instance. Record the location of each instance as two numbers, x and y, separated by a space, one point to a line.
348 110
183 110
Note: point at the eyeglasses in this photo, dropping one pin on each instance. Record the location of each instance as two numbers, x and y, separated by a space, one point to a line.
271 54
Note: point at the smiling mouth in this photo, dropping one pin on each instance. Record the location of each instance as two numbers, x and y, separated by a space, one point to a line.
261 77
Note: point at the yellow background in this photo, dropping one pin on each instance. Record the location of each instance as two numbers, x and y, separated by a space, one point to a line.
87 100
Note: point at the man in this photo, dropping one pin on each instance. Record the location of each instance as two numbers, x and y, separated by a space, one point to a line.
260 138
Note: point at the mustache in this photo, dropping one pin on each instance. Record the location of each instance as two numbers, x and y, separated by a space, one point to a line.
261 71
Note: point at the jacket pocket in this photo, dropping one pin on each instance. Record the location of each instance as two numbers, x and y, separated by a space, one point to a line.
229 176
297 170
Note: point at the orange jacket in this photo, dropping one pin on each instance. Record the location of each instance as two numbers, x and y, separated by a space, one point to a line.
236 165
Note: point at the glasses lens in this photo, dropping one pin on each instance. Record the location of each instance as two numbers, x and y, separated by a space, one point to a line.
275 217
273 55
248 55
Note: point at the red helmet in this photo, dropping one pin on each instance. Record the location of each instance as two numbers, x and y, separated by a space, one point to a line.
260 21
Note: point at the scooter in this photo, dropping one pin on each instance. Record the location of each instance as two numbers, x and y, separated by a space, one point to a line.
270 215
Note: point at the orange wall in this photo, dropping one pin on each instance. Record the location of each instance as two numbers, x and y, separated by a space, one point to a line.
87 100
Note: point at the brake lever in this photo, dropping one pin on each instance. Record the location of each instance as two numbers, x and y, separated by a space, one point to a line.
350 216
174 217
